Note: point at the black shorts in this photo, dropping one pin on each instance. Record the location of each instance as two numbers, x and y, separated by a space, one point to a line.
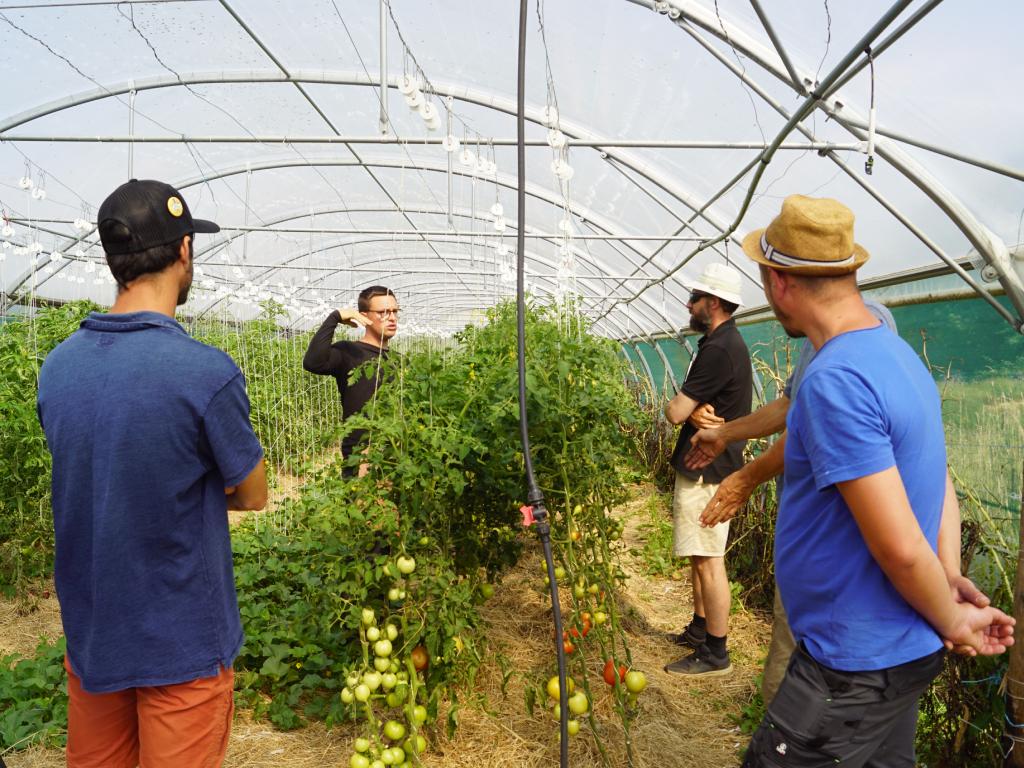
824 717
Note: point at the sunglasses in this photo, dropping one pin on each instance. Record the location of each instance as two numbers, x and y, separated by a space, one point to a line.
382 313
696 296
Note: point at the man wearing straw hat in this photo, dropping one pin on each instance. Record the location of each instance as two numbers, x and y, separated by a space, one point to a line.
864 545
736 489
720 375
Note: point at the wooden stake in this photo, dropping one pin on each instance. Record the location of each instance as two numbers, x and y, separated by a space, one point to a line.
1015 674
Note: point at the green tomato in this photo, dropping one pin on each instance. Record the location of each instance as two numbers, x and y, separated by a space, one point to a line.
388 681
573 727
394 730
635 681
415 744
593 589
347 696
359 761
372 680
382 648
486 591
393 595
368 618
424 540
406 565
600 617
578 703
387 757
391 632
373 634
579 591
399 754
362 692
419 714
559 572
377 764
381 664
393 700
401 594
362 744
394 666
352 680
578 509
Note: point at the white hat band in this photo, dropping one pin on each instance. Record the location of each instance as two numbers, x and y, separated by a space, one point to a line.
795 261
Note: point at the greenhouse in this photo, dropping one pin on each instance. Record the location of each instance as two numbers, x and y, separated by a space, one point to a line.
476 560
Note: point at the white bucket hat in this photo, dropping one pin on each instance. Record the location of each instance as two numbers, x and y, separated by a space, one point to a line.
718 280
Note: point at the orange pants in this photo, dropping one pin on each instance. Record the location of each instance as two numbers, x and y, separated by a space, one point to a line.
181 725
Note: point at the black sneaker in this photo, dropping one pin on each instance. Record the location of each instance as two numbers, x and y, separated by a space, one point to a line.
701 663
690 637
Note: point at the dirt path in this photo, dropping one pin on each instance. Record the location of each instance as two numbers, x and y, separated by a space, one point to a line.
681 723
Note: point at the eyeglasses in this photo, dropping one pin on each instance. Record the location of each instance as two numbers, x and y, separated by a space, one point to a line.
696 296
382 313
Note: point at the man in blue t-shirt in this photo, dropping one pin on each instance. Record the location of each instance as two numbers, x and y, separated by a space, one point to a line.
152 444
864 544
735 490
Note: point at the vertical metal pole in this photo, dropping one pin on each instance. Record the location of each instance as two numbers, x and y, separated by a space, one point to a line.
383 66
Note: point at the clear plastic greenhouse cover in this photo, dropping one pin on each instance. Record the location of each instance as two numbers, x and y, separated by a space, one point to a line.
647 122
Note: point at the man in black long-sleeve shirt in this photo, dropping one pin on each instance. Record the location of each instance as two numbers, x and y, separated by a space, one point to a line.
377 313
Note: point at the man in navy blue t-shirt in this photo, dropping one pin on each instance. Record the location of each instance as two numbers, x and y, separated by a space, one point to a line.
865 549
152 444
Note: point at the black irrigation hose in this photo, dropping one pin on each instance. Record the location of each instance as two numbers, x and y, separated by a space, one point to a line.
534 497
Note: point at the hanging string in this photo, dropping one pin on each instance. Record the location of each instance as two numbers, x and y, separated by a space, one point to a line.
869 164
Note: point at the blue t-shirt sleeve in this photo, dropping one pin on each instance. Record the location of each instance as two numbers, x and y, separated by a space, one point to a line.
842 426
233 443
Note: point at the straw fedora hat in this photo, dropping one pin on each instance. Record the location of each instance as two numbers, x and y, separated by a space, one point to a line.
811 236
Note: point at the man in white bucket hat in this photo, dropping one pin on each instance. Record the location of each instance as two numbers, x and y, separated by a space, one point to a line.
867 540
720 376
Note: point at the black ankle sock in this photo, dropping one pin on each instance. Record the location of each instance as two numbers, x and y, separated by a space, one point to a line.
699 622
716 644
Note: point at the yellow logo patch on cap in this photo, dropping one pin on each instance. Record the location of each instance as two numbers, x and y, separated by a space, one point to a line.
175 207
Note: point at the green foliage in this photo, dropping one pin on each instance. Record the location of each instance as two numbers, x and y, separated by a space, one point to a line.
33 698
26 526
656 529
444 487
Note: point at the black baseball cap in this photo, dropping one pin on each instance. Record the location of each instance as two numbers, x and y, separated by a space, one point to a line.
150 213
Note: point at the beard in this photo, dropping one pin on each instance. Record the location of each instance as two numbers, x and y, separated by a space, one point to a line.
699 324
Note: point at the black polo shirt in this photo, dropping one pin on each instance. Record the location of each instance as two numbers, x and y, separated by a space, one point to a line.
720 374
339 360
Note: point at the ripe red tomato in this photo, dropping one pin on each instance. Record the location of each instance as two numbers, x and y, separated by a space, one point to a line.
568 647
609 672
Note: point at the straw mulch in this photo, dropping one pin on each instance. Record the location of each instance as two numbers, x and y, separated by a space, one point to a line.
681 723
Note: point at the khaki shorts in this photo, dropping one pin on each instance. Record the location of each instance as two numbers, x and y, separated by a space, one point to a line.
689 536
